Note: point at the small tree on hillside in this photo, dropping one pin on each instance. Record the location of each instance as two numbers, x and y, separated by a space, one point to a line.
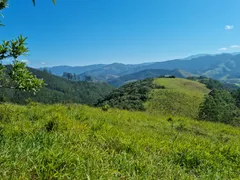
16 75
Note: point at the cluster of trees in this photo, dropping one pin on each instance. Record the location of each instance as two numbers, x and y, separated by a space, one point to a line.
70 76
221 104
130 96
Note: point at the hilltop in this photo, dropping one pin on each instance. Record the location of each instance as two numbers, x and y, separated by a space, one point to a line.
179 97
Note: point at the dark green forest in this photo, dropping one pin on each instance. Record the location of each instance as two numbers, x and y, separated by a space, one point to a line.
58 90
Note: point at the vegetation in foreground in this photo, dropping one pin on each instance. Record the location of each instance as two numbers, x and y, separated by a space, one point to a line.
79 142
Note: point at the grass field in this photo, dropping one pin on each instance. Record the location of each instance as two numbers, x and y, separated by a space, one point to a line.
79 142
180 97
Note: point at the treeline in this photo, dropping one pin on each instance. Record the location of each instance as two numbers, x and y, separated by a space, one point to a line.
130 96
214 84
58 90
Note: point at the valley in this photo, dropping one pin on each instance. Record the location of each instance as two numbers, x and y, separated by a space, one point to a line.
147 129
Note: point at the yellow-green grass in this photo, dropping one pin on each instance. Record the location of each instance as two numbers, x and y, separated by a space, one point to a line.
79 142
180 97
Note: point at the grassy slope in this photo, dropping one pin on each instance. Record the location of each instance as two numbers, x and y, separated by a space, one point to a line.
79 142
181 97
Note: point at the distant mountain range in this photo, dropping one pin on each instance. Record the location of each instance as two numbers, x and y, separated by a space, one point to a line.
225 67
59 70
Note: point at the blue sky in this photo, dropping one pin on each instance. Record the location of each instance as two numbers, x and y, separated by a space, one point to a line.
82 32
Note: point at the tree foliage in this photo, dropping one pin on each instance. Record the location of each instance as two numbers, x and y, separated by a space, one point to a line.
17 76
219 106
130 96
236 96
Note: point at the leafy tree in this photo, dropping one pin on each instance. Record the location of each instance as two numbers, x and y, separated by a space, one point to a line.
219 106
16 76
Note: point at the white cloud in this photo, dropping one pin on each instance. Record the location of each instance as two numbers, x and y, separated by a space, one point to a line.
43 63
222 49
235 46
229 27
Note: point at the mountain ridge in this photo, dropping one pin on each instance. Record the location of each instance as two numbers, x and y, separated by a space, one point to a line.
223 67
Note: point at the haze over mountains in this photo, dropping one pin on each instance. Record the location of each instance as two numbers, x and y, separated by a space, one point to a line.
223 67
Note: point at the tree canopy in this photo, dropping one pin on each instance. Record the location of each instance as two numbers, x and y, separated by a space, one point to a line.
219 106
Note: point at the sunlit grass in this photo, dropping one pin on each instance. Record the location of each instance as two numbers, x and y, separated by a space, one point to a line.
79 142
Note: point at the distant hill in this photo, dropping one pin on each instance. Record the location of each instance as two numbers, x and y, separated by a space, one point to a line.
148 73
113 71
221 66
195 56
58 90
59 70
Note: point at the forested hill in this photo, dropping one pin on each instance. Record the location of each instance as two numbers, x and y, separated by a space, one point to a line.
58 90
175 96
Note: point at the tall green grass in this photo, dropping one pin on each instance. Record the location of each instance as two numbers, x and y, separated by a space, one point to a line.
180 97
79 142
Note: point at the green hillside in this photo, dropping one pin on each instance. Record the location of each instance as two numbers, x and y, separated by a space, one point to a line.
59 90
79 142
174 96
179 97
